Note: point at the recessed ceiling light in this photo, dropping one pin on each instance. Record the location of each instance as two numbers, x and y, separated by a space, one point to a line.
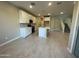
49 14
31 6
49 4
61 13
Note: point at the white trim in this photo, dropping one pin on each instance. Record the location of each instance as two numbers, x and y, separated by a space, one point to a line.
9 41
74 31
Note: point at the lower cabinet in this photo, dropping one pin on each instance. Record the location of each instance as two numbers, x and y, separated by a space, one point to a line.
25 31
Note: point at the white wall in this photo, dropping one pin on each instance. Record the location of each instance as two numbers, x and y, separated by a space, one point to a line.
55 23
68 20
9 22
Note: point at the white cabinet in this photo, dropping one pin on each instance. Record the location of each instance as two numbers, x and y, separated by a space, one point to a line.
42 32
47 19
47 22
25 31
25 17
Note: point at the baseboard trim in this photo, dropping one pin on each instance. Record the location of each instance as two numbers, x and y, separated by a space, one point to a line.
9 41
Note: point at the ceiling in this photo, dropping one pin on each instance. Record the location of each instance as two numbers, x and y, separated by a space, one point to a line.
42 8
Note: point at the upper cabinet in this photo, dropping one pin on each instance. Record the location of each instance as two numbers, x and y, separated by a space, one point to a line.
47 22
47 19
25 17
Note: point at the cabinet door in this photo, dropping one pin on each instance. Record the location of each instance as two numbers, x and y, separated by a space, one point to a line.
24 17
47 19
42 32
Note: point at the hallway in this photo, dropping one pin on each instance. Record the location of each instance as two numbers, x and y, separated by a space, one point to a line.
54 46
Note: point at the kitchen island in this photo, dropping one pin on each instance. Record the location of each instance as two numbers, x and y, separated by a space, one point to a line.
43 32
